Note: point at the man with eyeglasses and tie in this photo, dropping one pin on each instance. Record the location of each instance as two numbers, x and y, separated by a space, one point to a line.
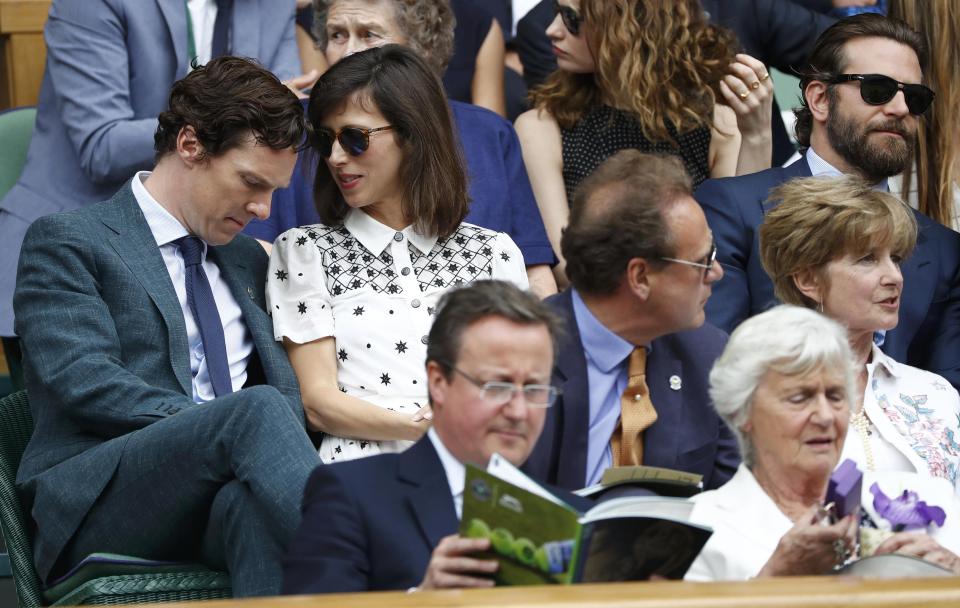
168 421
863 97
390 521
635 356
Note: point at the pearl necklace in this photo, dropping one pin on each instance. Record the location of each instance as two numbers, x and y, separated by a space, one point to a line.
862 424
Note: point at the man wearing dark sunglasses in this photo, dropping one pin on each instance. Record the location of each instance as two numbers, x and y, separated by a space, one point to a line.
863 99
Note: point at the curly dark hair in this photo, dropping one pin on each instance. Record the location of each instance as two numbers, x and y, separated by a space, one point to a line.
660 60
427 24
227 100
827 58
400 85
617 215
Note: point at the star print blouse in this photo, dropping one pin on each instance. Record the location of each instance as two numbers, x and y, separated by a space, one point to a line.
375 290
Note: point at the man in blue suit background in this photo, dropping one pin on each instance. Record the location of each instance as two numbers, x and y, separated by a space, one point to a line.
848 125
143 329
642 264
109 68
390 521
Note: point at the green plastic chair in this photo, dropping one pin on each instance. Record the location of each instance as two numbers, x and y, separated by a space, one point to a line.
16 129
139 581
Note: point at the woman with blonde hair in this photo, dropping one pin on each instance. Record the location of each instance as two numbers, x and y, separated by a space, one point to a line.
836 245
937 176
646 75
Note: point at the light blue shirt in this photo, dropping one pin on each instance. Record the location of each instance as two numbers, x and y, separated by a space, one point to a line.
820 167
607 357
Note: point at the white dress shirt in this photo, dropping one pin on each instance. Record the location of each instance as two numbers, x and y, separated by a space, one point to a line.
456 472
166 229
203 14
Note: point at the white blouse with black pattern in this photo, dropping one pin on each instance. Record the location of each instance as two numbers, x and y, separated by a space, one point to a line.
374 290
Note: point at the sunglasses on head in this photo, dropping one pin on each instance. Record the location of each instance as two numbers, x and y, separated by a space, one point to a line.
877 89
570 17
353 140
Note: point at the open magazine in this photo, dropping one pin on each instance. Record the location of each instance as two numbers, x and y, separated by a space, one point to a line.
540 539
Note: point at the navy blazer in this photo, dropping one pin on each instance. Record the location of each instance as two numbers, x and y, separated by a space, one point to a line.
371 524
928 334
105 351
688 434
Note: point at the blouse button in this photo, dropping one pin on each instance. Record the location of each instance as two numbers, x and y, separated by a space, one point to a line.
424 340
398 237
415 303
405 271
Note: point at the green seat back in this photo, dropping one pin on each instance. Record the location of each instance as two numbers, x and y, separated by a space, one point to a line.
16 129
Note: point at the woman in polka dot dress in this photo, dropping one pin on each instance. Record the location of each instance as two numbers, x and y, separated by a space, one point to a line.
353 298
644 74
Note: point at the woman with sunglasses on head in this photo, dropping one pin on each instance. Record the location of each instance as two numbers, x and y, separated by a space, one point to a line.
648 75
353 298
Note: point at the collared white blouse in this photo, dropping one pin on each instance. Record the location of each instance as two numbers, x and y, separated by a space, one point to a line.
375 290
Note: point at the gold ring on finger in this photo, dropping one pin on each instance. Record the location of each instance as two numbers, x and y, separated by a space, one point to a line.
755 85
744 94
765 76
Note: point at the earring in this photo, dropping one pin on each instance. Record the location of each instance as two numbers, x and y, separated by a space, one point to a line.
820 306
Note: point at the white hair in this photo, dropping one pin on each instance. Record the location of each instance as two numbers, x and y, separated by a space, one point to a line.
787 339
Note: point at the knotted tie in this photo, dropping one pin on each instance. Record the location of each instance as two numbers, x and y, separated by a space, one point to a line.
636 413
221 29
204 308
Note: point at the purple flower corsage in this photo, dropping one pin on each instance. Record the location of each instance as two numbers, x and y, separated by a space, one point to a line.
906 511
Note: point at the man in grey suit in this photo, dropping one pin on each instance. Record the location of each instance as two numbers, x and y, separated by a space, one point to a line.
143 330
109 68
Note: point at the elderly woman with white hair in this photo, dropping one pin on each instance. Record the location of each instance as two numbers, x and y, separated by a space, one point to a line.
784 385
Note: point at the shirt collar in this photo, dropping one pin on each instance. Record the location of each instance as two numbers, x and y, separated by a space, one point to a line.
163 225
604 348
376 236
882 359
820 167
456 472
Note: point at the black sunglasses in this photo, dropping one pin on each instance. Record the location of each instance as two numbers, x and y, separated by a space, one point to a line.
877 89
354 140
570 17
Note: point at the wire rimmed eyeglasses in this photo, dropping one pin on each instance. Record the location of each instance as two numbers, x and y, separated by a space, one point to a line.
501 393
706 264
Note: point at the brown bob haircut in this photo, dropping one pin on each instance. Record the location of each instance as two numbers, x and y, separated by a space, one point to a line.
828 59
618 214
821 219
227 100
394 81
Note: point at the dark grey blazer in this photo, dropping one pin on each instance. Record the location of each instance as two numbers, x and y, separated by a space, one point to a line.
105 351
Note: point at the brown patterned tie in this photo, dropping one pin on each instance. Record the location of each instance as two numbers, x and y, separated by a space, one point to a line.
636 413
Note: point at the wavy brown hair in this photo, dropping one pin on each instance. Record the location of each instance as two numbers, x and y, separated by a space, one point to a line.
662 61
938 154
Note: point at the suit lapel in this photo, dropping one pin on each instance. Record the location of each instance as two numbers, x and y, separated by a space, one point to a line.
235 272
800 168
175 15
573 417
137 248
661 441
427 491
245 34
